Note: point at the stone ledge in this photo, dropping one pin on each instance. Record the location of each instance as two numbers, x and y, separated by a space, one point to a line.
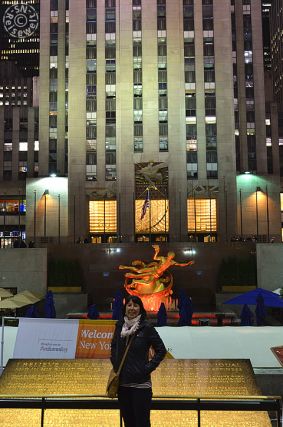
65 289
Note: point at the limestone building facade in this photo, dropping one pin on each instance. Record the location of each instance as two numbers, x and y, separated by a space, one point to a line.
155 112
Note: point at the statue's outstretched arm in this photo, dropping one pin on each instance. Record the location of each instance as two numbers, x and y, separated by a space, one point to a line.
128 267
183 264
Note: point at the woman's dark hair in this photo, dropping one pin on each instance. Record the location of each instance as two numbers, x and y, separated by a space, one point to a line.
136 300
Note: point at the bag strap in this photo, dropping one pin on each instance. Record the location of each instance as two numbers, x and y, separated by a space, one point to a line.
124 355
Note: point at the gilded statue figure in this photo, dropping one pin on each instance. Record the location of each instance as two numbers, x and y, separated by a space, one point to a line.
151 281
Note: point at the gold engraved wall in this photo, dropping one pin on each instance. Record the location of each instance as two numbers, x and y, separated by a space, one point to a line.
174 378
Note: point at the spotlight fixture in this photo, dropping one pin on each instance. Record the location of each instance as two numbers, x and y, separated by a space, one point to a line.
258 189
46 192
111 251
189 251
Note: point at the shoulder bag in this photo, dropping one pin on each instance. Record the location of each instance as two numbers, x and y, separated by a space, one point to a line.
113 380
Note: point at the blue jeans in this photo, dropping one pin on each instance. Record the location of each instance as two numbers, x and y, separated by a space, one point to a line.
135 406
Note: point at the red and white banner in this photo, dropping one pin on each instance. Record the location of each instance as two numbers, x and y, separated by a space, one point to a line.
94 339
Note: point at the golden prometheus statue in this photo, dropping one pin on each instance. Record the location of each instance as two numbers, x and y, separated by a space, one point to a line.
152 282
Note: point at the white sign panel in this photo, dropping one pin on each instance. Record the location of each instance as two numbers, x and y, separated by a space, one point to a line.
225 342
46 339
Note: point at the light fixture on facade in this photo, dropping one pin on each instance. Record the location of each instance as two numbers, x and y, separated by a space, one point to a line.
189 251
111 251
45 194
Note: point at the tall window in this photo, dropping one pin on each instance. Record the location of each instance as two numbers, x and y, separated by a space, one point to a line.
110 90
156 218
53 86
137 76
201 215
91 91
103 216
190 89
209 84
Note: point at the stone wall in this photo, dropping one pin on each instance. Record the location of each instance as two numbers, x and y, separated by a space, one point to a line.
24 268
269 266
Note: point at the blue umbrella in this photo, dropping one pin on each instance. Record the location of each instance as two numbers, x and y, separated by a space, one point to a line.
117 306
49 307
92 312
185 309
162 315
246 316
270 299
31 311
260 311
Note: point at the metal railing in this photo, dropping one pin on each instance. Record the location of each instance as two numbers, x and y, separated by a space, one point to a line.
243 403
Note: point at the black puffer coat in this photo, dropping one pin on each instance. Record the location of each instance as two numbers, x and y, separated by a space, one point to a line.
137 367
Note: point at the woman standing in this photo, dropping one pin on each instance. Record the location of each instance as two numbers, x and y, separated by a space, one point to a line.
135 391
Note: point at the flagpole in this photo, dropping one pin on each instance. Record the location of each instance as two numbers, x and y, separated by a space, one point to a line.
165 219
118 213
135 219
210 219
195 214
149 215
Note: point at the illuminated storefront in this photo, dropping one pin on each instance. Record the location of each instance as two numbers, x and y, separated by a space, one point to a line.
154 226
103 221
12 220
202 219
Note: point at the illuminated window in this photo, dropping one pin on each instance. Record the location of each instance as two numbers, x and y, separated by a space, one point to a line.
281 202
103 216
12 206
23 146
8 146
201 215
156 218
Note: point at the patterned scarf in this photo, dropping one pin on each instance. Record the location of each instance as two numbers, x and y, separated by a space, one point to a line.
130 326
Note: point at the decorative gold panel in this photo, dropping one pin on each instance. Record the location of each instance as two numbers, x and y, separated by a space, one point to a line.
201 215
110 418
156 219
59 418
103 216
184 378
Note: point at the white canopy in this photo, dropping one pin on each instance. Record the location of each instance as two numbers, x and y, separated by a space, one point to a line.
277 291
19 300
4 293
11 304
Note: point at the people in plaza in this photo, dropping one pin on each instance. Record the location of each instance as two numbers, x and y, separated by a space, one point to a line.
135 388
16 243
19 243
